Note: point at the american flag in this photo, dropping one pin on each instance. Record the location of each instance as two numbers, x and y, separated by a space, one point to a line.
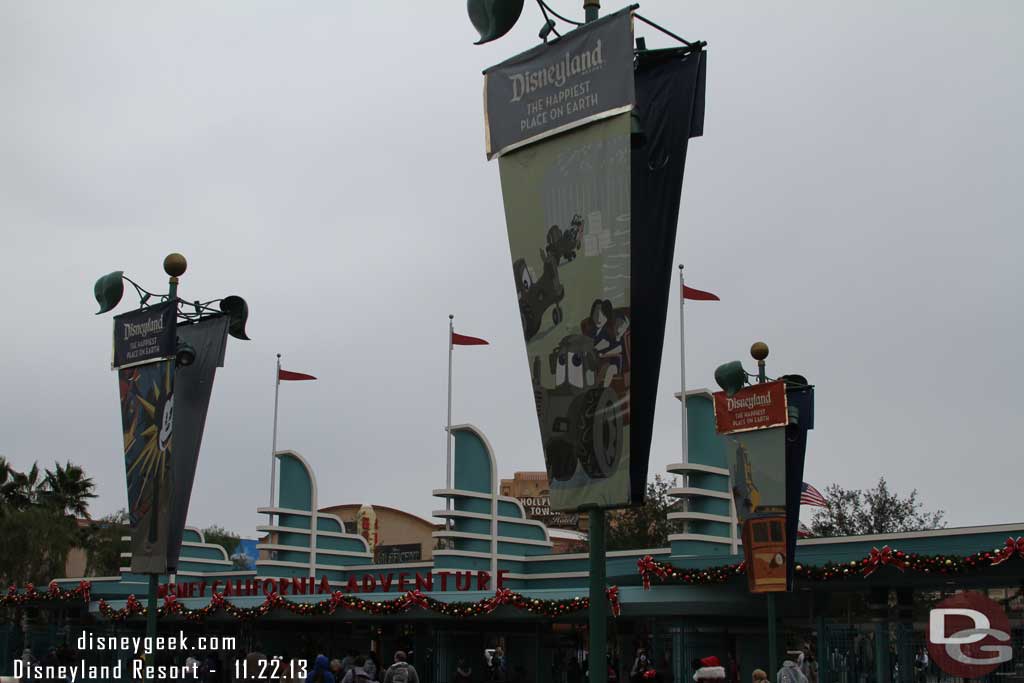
812 496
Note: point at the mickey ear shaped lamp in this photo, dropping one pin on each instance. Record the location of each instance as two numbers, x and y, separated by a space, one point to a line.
731 376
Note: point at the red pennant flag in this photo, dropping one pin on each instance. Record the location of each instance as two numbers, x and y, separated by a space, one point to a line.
286 375
698 295
465 340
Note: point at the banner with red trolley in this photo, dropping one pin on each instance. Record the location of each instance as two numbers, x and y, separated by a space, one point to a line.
766 427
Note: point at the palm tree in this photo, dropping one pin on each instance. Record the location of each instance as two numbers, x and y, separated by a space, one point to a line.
5 479
67 490
20 490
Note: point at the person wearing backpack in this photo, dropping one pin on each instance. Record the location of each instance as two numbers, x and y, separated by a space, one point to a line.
401 671
357 674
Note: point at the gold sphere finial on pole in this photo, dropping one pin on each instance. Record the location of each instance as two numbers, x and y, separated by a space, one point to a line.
175 264
759 351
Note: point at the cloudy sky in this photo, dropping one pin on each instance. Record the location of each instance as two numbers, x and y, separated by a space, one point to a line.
855 201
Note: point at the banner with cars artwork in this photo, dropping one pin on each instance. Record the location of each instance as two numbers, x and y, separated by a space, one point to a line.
592 291
567 208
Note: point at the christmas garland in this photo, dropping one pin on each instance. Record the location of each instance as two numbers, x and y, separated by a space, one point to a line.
54 593
865 567
340 600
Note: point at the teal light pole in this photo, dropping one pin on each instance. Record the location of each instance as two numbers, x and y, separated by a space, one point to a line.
759 351
108 291
598 658
175 266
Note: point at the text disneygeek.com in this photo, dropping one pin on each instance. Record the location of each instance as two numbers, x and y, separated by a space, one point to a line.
133 658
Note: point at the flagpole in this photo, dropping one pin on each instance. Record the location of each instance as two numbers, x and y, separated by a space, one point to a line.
273 447
682 387
682 364
448 431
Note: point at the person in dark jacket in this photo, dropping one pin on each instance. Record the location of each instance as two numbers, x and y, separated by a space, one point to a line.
321 672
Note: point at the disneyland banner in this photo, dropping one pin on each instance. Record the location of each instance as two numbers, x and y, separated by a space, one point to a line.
144 336
592 291
147 420
582 77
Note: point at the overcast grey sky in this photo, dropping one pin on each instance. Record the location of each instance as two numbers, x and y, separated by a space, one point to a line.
856 202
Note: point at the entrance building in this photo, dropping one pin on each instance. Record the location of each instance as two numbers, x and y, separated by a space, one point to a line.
859 606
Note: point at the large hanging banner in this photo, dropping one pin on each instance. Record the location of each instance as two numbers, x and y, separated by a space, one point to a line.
163 404
193 385
567 209
147 418
593 291
766 465
757 464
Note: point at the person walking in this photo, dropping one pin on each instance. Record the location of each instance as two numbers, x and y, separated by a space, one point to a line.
711 669
401 671
640 665
499 667
790 673
372 666
463 671
357 674
321 672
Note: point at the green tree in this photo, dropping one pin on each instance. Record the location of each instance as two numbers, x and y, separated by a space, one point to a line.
21 490
36 542
103 544
855 512
37 520
218 535
647 525
67 490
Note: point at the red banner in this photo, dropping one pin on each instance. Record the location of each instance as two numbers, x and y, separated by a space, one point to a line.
758 406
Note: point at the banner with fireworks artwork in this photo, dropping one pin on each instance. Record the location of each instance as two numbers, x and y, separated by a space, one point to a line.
147 419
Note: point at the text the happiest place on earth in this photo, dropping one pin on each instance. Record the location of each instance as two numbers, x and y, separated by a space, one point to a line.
131 647
567 100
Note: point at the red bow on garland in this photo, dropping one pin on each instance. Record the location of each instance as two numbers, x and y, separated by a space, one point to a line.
169 600
613 599
1010 548
85 588
650 673
217 600
883 556
504 596
417 598
648 566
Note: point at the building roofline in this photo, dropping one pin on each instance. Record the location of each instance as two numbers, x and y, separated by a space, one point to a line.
929 533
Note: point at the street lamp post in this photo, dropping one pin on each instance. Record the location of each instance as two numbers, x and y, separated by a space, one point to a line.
149 339
175 266
759 351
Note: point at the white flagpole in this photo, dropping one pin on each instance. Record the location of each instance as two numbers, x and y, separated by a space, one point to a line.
682 389
448 430
273 448
682 366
